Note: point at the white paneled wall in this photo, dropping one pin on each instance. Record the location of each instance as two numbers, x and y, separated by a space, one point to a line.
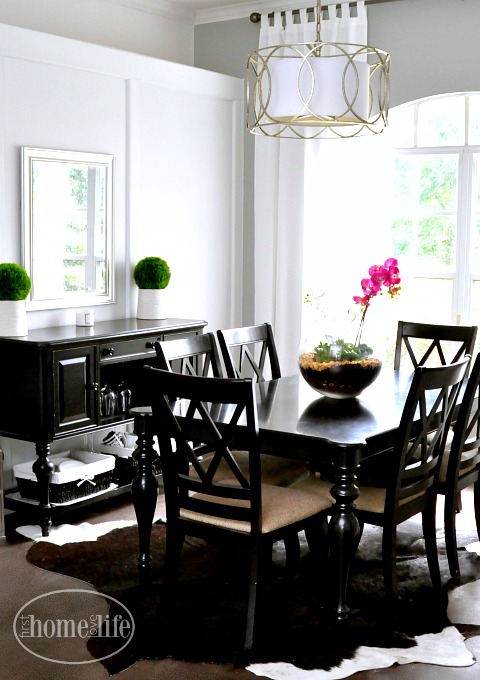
177 136
188 204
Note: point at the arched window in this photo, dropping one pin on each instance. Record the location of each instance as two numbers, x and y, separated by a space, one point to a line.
412 193
436 207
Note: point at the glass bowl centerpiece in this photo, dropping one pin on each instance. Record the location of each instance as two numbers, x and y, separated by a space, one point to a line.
340 369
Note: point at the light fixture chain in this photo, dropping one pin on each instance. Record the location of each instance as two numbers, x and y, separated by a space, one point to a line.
319 9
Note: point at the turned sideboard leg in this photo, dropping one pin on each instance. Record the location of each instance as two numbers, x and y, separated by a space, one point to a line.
43 469
144 485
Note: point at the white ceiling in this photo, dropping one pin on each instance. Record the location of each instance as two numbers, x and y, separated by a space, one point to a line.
209 11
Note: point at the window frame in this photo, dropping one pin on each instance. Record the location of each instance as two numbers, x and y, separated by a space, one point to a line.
467 179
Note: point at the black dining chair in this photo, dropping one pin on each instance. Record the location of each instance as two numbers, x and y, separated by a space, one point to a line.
193 355
199 355
411 480
460 467
415 460
198 503
432 344
424 344
245 352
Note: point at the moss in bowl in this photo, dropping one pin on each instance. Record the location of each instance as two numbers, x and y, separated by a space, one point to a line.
151 273
15 283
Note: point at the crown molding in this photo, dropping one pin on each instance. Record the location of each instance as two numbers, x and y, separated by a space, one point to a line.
176 12
163 8
244 9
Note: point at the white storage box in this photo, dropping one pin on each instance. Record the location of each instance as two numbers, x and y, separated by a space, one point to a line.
76 474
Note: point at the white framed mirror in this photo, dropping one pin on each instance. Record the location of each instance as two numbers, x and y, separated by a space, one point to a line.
67 223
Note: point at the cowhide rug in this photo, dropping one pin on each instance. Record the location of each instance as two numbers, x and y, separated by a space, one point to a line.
205 617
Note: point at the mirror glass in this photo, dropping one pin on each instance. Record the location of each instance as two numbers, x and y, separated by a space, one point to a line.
67 227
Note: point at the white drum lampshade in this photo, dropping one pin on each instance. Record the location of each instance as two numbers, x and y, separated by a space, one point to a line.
317 89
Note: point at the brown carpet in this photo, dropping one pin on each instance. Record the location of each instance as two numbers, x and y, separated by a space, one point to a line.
203 618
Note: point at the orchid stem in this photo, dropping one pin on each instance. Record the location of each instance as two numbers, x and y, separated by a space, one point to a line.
360 329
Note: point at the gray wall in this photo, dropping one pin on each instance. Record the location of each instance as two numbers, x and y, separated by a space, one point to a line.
434 45
224 47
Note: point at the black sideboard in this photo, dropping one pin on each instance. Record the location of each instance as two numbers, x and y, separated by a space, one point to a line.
51 381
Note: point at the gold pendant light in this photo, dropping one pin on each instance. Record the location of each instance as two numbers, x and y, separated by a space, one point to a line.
320 90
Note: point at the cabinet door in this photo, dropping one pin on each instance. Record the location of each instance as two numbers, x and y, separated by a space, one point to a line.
75 389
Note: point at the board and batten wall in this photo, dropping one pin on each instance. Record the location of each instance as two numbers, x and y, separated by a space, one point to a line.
177 136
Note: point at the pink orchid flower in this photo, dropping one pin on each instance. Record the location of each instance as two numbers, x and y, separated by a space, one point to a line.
386 275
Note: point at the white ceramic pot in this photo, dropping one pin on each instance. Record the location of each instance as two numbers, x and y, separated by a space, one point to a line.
150 304
13 318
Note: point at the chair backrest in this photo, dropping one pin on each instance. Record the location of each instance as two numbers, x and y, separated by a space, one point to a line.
433 343
421 436
194 355
245 351
192 490
464 454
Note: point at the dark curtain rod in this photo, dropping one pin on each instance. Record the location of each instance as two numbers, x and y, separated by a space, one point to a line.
255 17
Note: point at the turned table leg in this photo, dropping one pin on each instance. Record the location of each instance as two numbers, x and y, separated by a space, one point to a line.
344 529
144 484
43 469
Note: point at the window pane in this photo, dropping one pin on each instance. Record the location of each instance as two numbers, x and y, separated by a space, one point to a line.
475 312
421 299
436 244
474 119
475 224
424 225
74 276
401 127
441 122
438 182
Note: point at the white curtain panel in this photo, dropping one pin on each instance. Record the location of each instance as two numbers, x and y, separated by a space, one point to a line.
280 189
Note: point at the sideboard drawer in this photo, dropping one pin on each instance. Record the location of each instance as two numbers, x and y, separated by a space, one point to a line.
127 349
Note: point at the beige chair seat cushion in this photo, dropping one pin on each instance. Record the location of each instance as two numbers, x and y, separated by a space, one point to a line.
275 470
446 458
281 506
371 498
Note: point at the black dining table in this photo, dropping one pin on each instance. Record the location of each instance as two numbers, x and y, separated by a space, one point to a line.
297 422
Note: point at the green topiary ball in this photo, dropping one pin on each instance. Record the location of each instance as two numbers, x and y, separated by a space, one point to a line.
15 283
151 272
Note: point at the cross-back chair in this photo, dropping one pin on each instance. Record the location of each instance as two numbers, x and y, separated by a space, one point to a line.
433 344
199 355
411 486
460 467
200 504
246 350
194 355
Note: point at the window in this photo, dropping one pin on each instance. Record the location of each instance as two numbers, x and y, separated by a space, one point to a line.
411 193
436 207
